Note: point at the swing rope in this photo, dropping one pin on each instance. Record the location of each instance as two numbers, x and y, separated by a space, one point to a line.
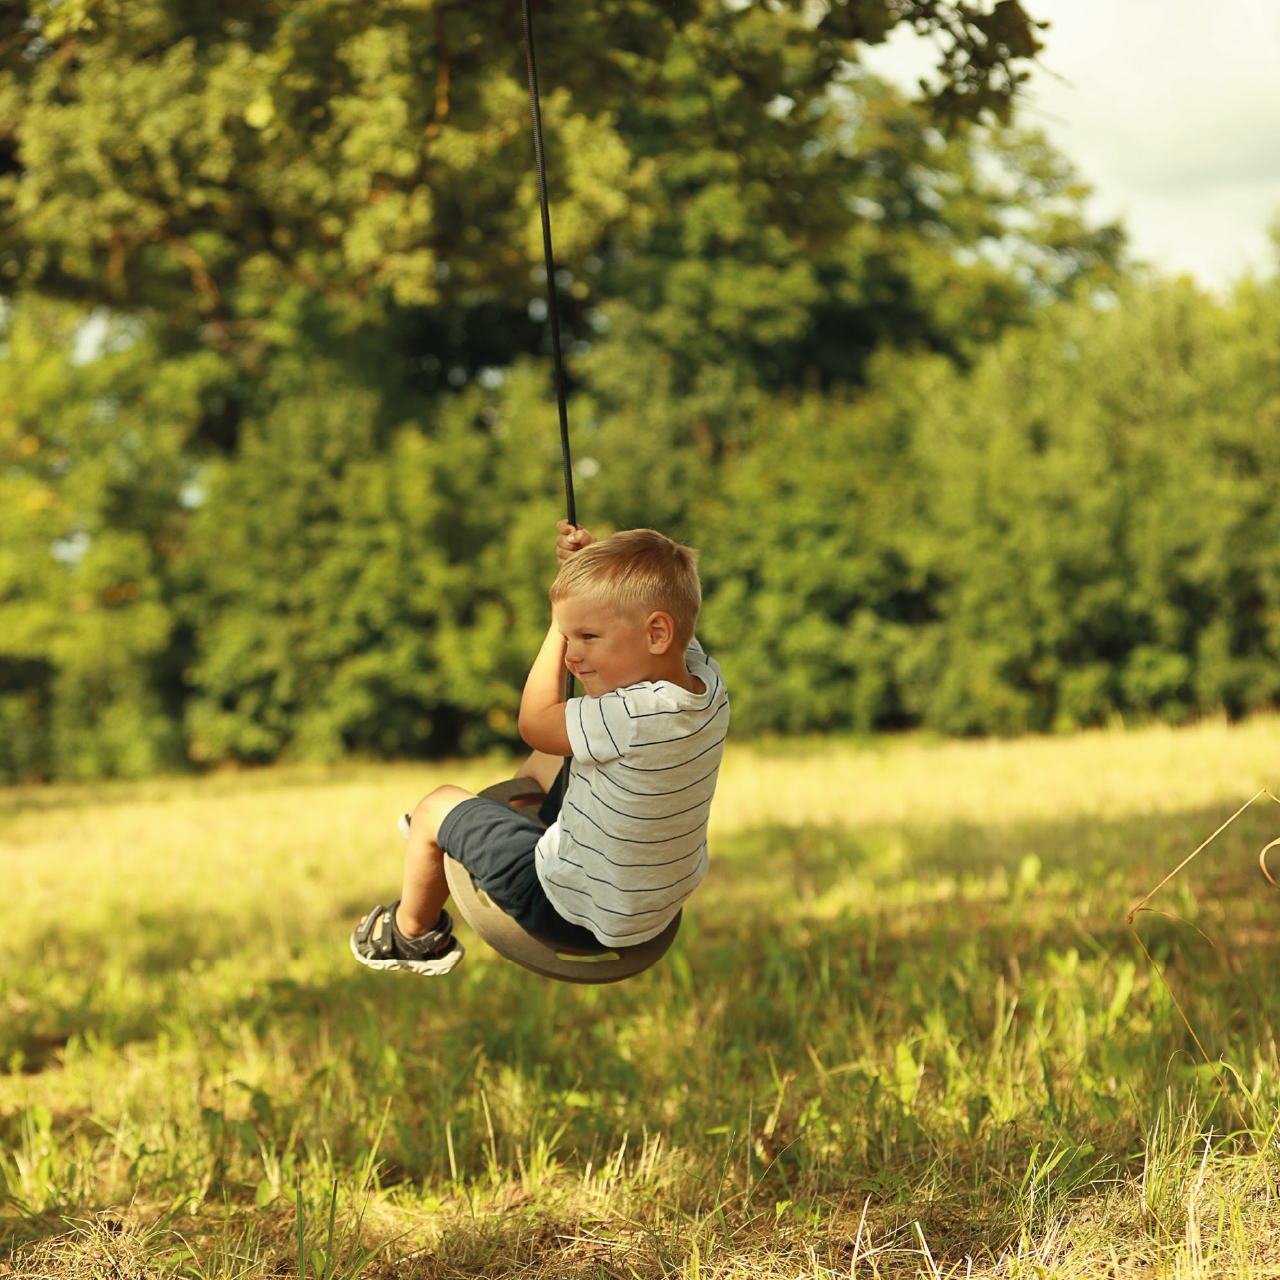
553 303
553 308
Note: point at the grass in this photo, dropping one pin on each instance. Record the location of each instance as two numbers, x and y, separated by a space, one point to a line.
904 1031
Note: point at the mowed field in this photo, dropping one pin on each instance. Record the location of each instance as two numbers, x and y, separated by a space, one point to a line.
904 1031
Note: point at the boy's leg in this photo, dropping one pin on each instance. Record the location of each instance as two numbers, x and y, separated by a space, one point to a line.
542 768
425 888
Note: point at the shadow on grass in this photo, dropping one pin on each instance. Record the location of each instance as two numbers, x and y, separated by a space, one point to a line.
822 976
1133 852
778 901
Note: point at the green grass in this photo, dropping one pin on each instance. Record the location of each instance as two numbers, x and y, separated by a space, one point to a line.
904 1030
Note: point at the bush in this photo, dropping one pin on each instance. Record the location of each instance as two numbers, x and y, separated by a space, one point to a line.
371 585
1086 525
91 525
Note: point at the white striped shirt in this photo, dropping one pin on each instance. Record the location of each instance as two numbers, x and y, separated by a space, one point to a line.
631 841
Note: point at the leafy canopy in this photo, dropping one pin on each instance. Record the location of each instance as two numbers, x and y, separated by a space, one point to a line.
201 159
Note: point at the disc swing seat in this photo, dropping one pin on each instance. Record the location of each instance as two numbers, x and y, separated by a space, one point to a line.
588 966
592 966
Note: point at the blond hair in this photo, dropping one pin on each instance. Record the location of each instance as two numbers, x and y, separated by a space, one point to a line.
640 570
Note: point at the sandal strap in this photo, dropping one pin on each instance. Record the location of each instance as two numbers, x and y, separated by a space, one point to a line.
424 944
377 932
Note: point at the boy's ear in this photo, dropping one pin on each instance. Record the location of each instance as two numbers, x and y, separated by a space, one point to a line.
660 631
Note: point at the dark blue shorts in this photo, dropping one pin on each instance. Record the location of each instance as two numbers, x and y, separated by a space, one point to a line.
495 843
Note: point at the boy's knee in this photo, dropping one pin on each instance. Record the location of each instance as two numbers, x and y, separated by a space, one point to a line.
431 811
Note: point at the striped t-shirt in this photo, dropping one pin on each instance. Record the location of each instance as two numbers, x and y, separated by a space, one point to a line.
631 841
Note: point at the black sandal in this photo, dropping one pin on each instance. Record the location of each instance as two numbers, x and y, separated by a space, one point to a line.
378 943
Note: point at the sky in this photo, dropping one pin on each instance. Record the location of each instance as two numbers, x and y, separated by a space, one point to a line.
1170 109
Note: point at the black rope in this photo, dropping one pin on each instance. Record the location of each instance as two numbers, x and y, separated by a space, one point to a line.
553 306
552 302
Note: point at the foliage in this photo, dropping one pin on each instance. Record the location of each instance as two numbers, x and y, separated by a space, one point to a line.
1115 550
1084 526
202 158
946 466
366 583
814 579
933 241
92 471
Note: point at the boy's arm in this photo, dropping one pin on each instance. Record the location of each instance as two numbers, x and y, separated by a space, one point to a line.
542 705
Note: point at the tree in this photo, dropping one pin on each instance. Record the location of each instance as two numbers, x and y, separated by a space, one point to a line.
1084 525
316 224
366 583
92 477
202 160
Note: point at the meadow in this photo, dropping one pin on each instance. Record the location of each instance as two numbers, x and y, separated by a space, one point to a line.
905 1030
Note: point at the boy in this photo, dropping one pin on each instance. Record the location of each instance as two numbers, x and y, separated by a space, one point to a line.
626 842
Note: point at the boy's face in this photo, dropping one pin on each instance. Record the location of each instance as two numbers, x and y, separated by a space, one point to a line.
607 648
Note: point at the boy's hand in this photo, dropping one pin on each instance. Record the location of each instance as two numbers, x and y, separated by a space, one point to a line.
571 538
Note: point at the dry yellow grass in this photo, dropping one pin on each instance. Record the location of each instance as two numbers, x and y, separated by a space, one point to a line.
309 830
1105 773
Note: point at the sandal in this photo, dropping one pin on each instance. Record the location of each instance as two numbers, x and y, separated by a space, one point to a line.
378 943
